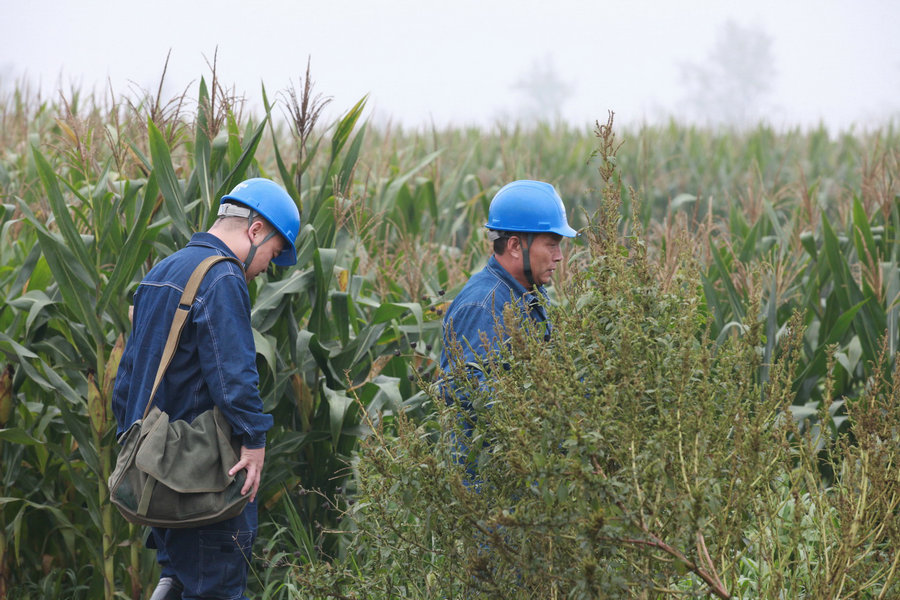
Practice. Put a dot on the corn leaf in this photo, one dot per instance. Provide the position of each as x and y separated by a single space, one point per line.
61 215
168 182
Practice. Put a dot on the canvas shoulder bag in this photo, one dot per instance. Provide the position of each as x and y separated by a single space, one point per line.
174 473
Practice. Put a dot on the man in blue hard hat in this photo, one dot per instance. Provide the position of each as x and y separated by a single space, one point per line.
526 224
214 366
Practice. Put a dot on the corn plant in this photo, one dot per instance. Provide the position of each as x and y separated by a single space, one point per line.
69 306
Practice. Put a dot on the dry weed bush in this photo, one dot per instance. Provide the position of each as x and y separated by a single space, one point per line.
631 457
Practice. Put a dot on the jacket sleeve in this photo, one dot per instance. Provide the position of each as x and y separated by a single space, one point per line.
121 389
124 386
228 360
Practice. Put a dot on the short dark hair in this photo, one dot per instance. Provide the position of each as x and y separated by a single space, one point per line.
500 242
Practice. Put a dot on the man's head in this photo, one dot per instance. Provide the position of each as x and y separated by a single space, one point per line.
527 221
259 221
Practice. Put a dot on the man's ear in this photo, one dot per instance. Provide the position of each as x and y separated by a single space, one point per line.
514 245
256 228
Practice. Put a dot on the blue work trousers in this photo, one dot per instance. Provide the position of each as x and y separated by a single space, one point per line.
211 562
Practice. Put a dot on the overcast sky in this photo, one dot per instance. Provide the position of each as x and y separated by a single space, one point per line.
427 62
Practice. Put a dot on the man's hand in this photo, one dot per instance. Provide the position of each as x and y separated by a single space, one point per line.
252 460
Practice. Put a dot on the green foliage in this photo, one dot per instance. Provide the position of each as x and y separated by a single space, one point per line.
756 243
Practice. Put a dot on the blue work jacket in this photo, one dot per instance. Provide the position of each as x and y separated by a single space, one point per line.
215 363
478 308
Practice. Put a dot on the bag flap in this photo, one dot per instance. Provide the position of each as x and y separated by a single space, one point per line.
187 457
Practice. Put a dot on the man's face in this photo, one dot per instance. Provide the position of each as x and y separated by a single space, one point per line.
544 255
264 253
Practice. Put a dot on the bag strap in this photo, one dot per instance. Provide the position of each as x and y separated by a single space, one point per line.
178 321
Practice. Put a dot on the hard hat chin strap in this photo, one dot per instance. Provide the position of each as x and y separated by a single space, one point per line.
526 261
254 247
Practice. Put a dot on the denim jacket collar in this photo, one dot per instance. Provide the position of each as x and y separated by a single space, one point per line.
528 298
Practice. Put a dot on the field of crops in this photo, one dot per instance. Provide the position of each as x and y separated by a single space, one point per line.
780 227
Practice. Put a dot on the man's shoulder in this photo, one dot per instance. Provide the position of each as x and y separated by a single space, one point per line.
483 288
480 301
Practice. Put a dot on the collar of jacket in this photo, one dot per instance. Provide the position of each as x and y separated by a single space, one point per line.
530 299
518 289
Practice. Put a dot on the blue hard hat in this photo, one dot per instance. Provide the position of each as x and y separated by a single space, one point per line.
529 206
275 205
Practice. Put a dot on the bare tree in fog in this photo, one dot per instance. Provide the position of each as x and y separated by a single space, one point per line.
730 87
543 91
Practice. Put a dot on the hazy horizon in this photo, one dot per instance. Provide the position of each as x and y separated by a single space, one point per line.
478 63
